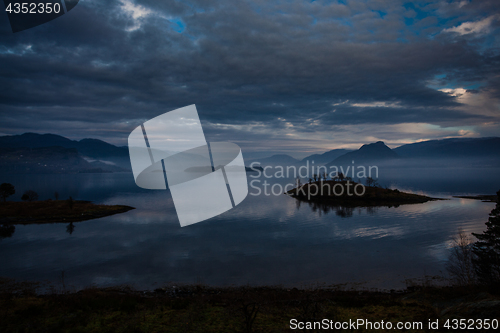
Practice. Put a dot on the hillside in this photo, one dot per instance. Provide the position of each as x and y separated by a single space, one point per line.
377 151
50 153
89 147
326 157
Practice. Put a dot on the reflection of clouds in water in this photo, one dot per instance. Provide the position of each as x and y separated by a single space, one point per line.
264 240
440 251
373 232
256 209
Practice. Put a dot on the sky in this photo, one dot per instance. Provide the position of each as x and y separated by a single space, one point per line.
273 76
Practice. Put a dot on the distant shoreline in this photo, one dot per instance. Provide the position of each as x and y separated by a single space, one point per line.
55 211
482 197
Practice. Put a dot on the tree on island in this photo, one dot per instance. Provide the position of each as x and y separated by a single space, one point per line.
30 195
371 182
6 190
487 249
56 195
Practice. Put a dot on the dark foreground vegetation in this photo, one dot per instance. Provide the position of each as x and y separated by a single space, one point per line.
353 194
242 309
53 211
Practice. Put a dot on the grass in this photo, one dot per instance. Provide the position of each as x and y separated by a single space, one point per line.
52 211
230 309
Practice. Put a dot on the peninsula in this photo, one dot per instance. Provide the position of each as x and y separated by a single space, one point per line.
55 211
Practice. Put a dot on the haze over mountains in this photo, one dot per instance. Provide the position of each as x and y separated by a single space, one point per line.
452 148
278 159
50 153
326 157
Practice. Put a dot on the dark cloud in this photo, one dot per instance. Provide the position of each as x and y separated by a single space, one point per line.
280 64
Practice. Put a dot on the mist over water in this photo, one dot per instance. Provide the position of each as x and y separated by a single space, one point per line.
266 240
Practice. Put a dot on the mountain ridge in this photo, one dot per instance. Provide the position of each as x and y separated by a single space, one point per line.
108 157
94 149
377 151
453 147
326 157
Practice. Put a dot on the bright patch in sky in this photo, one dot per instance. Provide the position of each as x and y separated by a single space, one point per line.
377 105
137 12
478 27
370 104
454 92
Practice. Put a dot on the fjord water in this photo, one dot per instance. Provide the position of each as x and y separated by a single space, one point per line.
266 240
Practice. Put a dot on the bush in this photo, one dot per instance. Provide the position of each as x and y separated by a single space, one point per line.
460 265
6 190
30 196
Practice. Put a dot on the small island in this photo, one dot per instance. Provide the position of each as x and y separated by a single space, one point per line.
352 194
55 211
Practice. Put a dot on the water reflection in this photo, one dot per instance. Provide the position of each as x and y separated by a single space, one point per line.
70 228
264 240
322 208
6 230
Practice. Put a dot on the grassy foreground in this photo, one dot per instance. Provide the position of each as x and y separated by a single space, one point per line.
52 211
242 309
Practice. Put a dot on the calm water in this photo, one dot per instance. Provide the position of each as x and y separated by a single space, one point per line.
265 240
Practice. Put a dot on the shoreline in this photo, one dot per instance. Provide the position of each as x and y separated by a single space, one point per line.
482 197
55 211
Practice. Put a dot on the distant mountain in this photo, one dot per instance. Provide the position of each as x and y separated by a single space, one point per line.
377 151
279 159
452 148
92 149
326 157
100 149
34 140
89 147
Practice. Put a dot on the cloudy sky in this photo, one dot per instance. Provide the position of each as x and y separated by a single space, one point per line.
270 75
